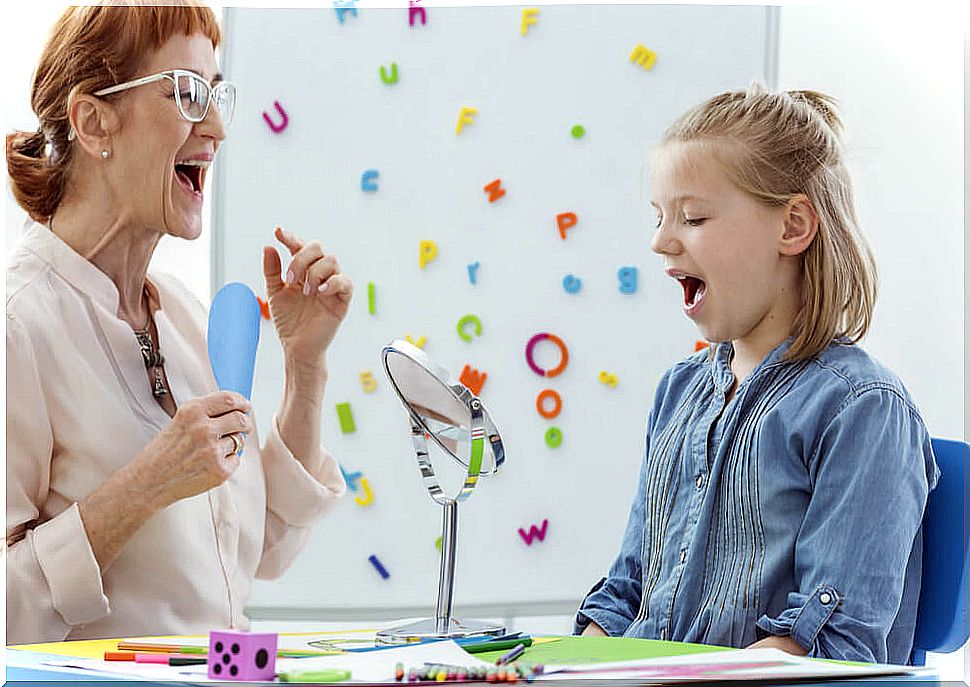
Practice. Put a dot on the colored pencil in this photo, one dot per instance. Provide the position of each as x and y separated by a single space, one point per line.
503 645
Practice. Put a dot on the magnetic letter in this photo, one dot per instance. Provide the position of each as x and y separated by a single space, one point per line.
572 284
365 180
419 343
472 271
608 378
377 566
415 10
534 533
368 494
473 379
566 220
427 252
342 6
556 404
350 478
465 116
469 319
528 17
346 418
643 56
553 437
284 118
392 79
367 381
494 190
562 349
628 279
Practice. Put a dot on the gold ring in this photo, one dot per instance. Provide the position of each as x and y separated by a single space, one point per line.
236 444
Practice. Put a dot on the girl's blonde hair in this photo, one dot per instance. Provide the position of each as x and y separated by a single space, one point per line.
775 146
89 48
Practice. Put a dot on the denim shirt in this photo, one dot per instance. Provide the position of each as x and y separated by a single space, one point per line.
795 509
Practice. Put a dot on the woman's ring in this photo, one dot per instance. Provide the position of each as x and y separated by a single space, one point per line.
237 444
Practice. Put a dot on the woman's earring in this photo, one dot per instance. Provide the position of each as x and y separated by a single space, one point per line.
104 154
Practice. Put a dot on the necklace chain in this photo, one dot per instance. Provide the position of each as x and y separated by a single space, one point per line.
150 354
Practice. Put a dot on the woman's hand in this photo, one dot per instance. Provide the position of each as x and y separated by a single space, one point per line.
308 307
195 452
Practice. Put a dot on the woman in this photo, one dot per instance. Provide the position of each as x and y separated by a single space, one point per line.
139 499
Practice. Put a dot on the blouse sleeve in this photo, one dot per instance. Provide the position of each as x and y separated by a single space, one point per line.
53 578
296 497
859 544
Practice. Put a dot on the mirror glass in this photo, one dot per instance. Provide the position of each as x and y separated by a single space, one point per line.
436 405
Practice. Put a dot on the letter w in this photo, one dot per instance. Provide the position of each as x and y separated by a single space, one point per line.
534 532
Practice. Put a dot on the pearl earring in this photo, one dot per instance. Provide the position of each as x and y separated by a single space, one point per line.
104 154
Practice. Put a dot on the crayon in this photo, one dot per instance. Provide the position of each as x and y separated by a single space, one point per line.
119 655
187 661
516 651
496 646
317 676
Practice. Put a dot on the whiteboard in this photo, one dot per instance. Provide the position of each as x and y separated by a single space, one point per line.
572 67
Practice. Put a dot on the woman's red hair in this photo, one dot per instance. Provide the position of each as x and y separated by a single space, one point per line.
89 48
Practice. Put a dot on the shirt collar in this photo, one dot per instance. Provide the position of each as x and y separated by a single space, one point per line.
80 272
721 368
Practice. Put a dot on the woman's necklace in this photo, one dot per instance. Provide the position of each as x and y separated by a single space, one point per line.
150 354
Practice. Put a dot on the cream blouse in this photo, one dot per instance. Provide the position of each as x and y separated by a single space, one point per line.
79 407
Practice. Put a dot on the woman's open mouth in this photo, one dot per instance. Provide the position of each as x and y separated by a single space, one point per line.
191 175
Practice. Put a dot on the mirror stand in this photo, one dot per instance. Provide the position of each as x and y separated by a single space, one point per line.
443 625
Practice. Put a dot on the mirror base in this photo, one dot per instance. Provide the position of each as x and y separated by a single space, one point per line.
427 629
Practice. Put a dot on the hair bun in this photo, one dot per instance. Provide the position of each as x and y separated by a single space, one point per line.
825 105
28 144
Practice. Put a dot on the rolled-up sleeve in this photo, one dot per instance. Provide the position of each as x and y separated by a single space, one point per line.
53 578
859 545
296 497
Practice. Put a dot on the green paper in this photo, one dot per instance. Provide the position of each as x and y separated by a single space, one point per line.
579 650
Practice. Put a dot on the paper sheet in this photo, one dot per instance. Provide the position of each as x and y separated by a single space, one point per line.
378 666
750 664
370 666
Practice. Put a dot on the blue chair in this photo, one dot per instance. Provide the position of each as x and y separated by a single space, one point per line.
942 624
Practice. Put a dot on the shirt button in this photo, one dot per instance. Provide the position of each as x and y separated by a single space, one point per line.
699 481
825 598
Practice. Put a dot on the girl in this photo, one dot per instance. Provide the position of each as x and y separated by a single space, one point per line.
786 471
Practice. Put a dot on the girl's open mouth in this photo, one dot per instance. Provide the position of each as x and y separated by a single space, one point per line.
694 291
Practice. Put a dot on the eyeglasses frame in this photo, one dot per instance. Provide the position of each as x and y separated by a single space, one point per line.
173 75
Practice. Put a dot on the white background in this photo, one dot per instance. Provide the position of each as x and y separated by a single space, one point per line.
529 91
899 77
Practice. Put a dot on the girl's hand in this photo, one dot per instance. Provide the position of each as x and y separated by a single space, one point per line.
310 303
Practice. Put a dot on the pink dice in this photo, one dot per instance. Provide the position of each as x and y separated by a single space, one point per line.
235 655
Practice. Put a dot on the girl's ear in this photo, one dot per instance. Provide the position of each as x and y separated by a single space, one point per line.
800 224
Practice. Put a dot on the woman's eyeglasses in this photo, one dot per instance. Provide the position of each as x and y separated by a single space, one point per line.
192 93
